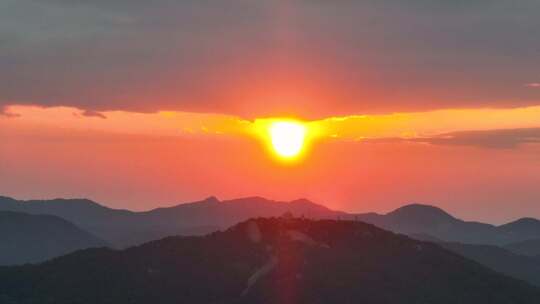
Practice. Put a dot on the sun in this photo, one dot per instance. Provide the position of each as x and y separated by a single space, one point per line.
287 138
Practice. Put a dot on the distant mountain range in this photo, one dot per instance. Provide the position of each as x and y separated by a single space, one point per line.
512 248
124 228
522 267
280 260
529 247
28 238
431 221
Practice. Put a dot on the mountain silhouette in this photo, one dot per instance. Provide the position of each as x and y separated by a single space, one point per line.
416 219
28 238
529 247
522 267
500 248
523 229
276 260
123 228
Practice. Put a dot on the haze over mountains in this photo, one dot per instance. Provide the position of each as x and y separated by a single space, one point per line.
522 267
529 247
26 238
418 219
267 261
124 228
510 249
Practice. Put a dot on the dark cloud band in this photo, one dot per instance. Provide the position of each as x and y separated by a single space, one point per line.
313 58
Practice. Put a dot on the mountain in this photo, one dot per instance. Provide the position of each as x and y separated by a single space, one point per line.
431 221
517 260
123 228
470 239
528 247
425 237
108 224
522 229
501 260
410 219
35 238
267 261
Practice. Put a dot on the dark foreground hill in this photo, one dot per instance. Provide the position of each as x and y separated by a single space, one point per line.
28 238
267 261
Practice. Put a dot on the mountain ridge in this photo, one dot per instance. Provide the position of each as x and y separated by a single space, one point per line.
122 227
267 260
30 238
423 222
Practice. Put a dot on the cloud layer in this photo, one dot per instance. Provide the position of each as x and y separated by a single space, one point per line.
496 139
492 139
309 58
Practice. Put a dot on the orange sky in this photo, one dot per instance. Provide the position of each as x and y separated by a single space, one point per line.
139 104
356 163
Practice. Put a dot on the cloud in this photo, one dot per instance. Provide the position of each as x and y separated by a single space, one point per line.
90 113
492 139
268 58
534 85
4 112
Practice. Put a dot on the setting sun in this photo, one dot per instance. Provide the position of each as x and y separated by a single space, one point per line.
287 138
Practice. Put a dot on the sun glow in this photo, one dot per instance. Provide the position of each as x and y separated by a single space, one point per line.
287 138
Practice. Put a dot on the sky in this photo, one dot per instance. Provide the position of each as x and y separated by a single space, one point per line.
139 104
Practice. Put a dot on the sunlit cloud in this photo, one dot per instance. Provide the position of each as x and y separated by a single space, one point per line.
435 127
491 139
5 112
